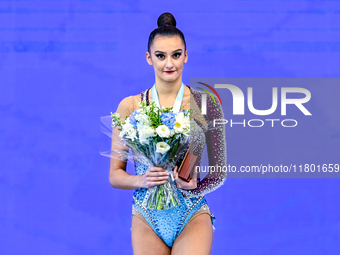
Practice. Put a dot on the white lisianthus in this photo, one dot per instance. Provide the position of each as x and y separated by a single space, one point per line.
145 133
162 147
128 131
163 131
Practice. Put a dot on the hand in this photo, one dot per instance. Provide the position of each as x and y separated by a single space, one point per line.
192 184
153 176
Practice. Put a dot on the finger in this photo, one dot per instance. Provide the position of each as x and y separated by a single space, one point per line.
151 184
151 174
158 178
175 172
158 182
156 169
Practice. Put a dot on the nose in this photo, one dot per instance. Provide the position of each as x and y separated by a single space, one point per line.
169 64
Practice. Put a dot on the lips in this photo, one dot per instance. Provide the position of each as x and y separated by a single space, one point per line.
169 71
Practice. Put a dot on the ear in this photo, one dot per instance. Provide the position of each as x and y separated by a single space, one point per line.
186 56
148 58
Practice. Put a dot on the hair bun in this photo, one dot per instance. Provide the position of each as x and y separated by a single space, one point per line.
166 19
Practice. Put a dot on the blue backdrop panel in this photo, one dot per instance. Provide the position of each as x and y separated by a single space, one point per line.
63 64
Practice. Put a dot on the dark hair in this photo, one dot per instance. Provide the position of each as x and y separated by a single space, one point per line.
166 27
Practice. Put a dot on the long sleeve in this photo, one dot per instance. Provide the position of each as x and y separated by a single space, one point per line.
216 145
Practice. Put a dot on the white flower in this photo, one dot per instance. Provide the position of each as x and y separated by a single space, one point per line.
145 133
180 115
163 131
162 147
116 115
128 131
143 119
114 123
182 123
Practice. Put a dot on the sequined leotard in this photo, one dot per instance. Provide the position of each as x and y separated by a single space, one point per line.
169 223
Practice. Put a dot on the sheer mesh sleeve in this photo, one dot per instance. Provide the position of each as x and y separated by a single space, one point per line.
216 144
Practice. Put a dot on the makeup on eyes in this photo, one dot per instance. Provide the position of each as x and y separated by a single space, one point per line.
158 55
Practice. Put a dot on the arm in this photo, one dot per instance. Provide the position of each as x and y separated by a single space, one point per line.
119 178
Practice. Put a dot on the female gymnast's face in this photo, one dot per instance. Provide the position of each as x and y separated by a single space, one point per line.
167 56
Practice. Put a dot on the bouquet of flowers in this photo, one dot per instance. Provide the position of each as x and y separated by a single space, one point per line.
154 137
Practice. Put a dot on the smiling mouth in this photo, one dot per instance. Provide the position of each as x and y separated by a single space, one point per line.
169 71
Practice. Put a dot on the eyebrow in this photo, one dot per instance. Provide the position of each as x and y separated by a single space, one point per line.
158 51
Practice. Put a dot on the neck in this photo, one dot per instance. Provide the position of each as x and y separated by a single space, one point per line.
168 88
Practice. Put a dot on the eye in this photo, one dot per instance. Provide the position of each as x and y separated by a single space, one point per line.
177 55
160 56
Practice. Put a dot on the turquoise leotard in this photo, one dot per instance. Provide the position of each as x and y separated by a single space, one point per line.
169 223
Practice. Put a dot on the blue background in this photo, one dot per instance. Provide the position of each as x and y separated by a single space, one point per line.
63 64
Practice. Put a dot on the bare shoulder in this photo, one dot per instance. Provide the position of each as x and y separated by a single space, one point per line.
136 99
126 106
126 100
132 99
125 103
129 104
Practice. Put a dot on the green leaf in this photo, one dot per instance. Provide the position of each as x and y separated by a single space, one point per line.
174 150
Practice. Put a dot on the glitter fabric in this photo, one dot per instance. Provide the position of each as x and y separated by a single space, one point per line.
169 223
203 131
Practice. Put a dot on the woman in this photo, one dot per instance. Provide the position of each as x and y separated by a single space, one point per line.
186 229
